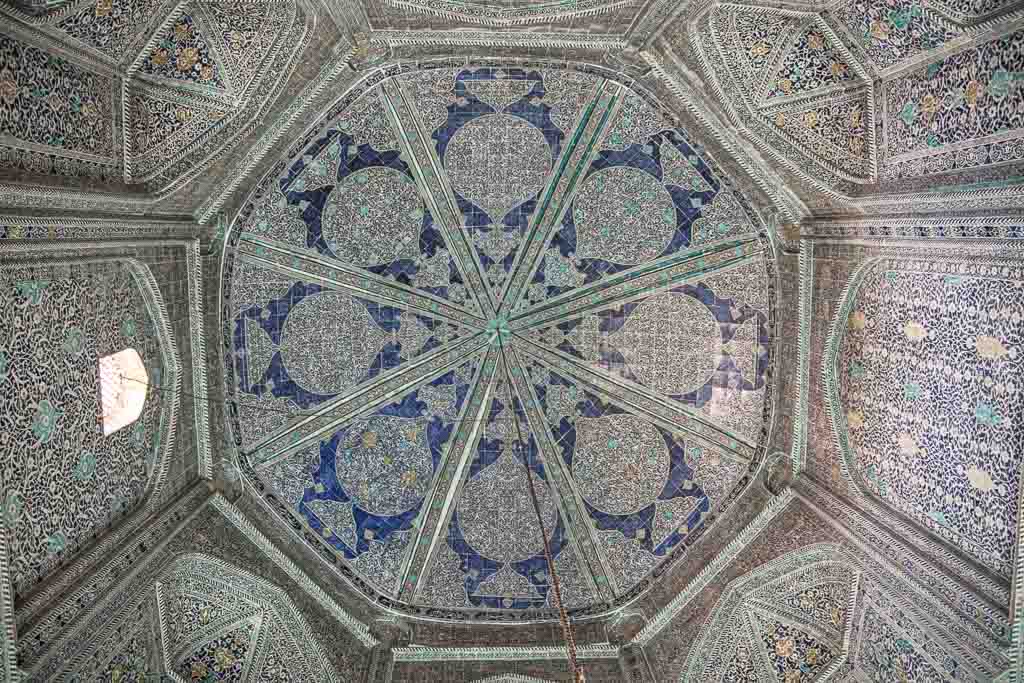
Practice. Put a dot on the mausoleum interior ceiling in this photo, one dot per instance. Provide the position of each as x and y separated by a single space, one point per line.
734 287
468 270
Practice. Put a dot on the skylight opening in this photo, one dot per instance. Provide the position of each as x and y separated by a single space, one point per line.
123 385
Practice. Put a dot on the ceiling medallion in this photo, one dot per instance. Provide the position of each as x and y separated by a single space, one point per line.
483 301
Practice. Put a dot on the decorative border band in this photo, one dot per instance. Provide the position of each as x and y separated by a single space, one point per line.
416 653
197 338
798 449
8 658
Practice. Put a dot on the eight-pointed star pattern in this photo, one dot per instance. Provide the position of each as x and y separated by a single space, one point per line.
465 277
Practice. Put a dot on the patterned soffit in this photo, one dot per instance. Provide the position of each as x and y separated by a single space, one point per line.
601 15
462 270
148 92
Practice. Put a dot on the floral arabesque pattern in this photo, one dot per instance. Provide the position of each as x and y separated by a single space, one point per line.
928 374
410 475
782 622
968 96
65 480
47 100
184 54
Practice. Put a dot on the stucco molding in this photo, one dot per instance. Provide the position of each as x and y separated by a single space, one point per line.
197 338
8 659
561 40
500 18
994 227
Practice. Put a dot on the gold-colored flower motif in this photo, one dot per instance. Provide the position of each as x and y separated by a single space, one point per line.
325 531
117 674
760 49
8 87
204 615
224 659
915 331
990 348
369 439
237 40
837 616
90 111
980 479
816 41
199 670
854 419
879 29
792 676
187 58
812 656
858 321
972 92
206 72
856 145
786 85
929 104
104 7
838 69
183 115
216 115
409 478
785 647
182 31
161 57
780 120
811 119
856 116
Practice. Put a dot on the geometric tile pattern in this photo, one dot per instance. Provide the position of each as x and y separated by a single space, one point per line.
787 621
928 365
194 78
405 307
803 96
219 623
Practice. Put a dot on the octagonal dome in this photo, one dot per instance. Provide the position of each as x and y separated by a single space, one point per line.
462 273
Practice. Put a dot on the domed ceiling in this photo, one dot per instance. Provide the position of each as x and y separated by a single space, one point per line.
461 273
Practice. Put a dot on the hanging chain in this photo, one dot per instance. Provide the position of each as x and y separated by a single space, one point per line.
567 630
